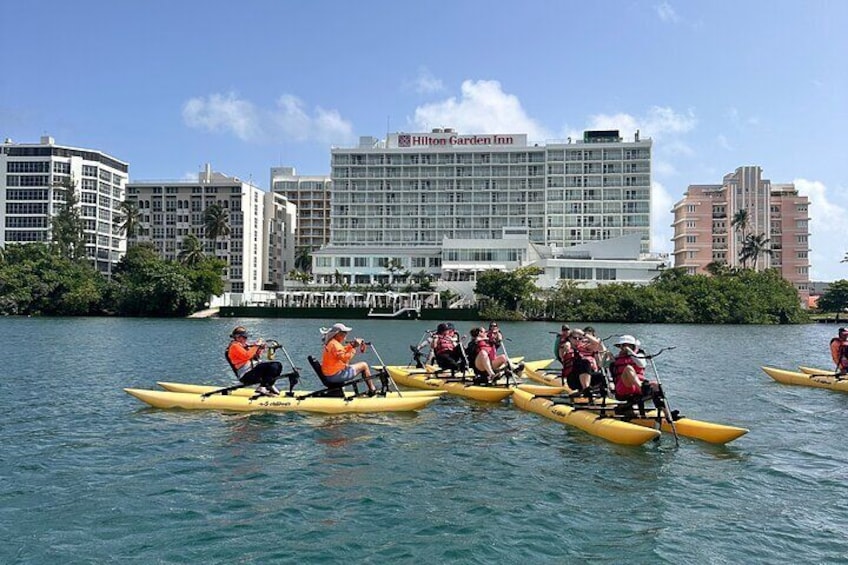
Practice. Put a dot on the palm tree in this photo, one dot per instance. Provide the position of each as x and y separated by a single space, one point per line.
753 247
130 219
741 221
191 253
216 220
719 268
395 267
303 261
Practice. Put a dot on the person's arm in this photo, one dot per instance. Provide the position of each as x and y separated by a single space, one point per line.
593 342
638 360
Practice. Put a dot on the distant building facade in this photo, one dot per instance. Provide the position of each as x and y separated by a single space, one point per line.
400 198
260 247
31 177
704 230
311 195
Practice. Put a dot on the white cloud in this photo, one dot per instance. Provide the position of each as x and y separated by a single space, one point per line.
426 83
659 122
289 121
723 142
222 113
827 232
482 108
666 13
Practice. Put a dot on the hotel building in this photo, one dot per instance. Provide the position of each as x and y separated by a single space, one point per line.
401 198
259 249
31 179
704 230
311 195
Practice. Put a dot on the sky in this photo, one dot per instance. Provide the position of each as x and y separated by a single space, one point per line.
168 86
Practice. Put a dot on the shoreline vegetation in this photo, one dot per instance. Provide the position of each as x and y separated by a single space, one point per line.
37 279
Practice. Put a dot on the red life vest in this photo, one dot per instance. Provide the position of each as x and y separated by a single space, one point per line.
586 353
444 343
568 359
621 362
485 347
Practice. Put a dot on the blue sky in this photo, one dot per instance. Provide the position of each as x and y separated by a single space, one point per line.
171 85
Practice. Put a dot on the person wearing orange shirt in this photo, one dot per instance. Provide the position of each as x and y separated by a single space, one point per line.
244 360
335 360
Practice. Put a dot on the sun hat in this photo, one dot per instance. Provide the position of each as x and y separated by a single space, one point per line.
626 339
329 333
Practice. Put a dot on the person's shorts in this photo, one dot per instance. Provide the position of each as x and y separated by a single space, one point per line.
345 374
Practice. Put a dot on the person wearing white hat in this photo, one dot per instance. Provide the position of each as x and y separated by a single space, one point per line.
628 369
335 360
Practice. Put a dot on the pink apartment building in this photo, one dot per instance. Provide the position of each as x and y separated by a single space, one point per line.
703 230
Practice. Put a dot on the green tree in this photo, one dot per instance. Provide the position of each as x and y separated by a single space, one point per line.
508 289
66 226
36 280
303 260
300 276
216 221
396 269
147 285
753 248
741 221
835 298
191 253
130 218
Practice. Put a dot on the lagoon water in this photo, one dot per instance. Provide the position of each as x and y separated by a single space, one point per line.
91 476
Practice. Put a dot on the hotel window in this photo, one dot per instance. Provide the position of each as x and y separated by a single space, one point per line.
691 239
576 273
605 274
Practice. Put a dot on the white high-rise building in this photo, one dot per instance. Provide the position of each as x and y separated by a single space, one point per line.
397 200
259 249
32 177
415 189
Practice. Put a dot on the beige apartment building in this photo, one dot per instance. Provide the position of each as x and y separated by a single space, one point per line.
311 195
259 250
704 230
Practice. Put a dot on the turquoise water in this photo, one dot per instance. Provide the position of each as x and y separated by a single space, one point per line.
91 476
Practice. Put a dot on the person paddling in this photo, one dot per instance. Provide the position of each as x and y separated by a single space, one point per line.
496 338
447 349
243 359
579 366
628 374
335 360
485 361
839 351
